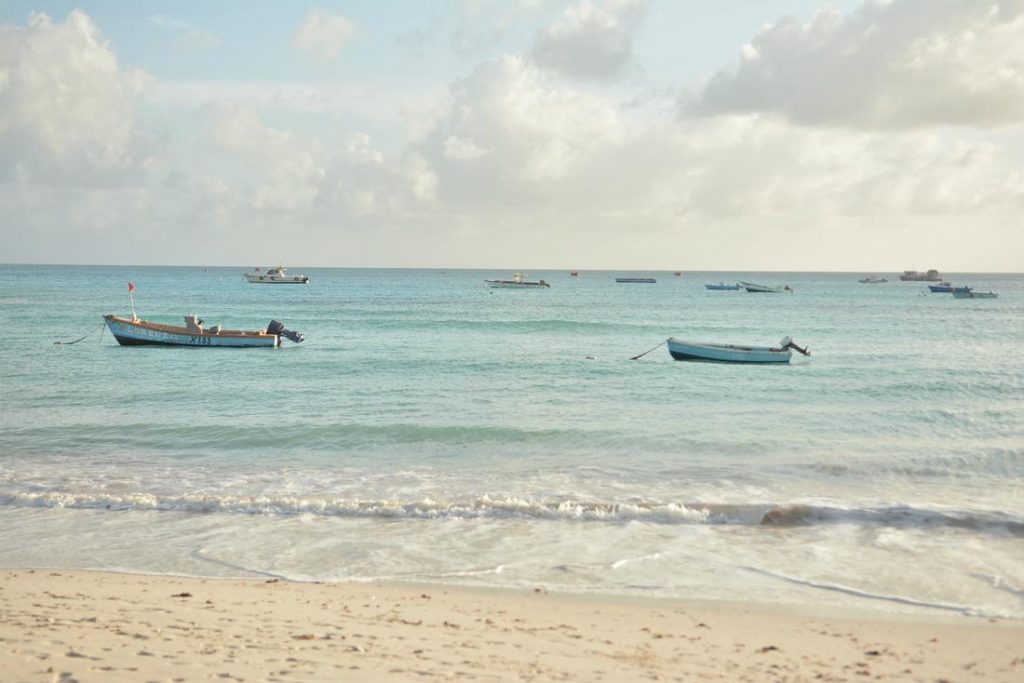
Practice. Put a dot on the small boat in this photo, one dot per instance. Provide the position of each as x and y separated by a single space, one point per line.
136 332
636 280
968 293
765 289
941 288
731 353
518 281
678 273
574 273
915 276
721 286
872 280
276 276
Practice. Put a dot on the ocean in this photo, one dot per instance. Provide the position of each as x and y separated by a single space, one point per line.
431 429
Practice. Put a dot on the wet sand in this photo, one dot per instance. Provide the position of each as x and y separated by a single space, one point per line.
93 626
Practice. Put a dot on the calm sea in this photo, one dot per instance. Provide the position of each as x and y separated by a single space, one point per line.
433 429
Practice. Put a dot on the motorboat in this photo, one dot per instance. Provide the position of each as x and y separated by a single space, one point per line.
636 280
733 353
941 288
872 280
968 293
721 286
276 276
518 281
134 331
764 289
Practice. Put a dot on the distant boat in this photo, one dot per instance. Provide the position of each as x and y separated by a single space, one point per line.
765 289
136 332
872 280
276 276
637 280
721 286
574 273
731 353
679 273
941 288
518 281
915 276
968 293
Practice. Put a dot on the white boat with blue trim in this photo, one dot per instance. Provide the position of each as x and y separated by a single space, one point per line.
969 293
733 353
137 332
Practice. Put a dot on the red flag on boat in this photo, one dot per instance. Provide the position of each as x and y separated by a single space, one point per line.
131 287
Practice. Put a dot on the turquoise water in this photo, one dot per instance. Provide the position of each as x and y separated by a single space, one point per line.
433 429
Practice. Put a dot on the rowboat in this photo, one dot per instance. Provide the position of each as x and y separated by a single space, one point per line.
968 293
732 353
518 281
636 280
276 276
721 286
872 280
765 289
137 332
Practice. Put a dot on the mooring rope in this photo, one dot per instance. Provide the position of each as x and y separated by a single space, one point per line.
647 352
86 336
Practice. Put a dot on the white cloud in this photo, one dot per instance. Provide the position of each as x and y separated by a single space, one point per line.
67 108
592 41
188 36
893 64
322 35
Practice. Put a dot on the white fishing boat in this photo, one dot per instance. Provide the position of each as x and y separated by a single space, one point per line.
276 276
765 289
137 332
518 281
733 353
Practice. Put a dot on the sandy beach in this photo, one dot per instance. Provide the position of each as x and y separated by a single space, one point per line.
89 626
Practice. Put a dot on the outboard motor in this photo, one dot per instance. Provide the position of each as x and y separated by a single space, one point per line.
278 328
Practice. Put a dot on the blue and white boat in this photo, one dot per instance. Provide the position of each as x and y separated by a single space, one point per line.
137 332
941 288
733 353
276 276
721 286
968 293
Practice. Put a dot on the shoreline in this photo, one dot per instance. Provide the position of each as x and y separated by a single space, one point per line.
60 625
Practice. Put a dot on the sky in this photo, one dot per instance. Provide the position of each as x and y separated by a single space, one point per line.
849 135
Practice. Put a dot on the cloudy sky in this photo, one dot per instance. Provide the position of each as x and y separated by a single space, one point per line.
867 135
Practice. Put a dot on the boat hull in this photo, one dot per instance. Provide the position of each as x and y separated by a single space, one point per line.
764 289
277 279
143 333
726 353
970 294
721 287
637 280
944 288
512 284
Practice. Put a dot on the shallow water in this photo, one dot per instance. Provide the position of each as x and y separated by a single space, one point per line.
434 429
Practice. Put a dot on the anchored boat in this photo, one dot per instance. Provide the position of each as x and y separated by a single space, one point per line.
968 293
765 289
721 286
518 281
276 276
732 353
137 332
637 280
874 280
915 276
